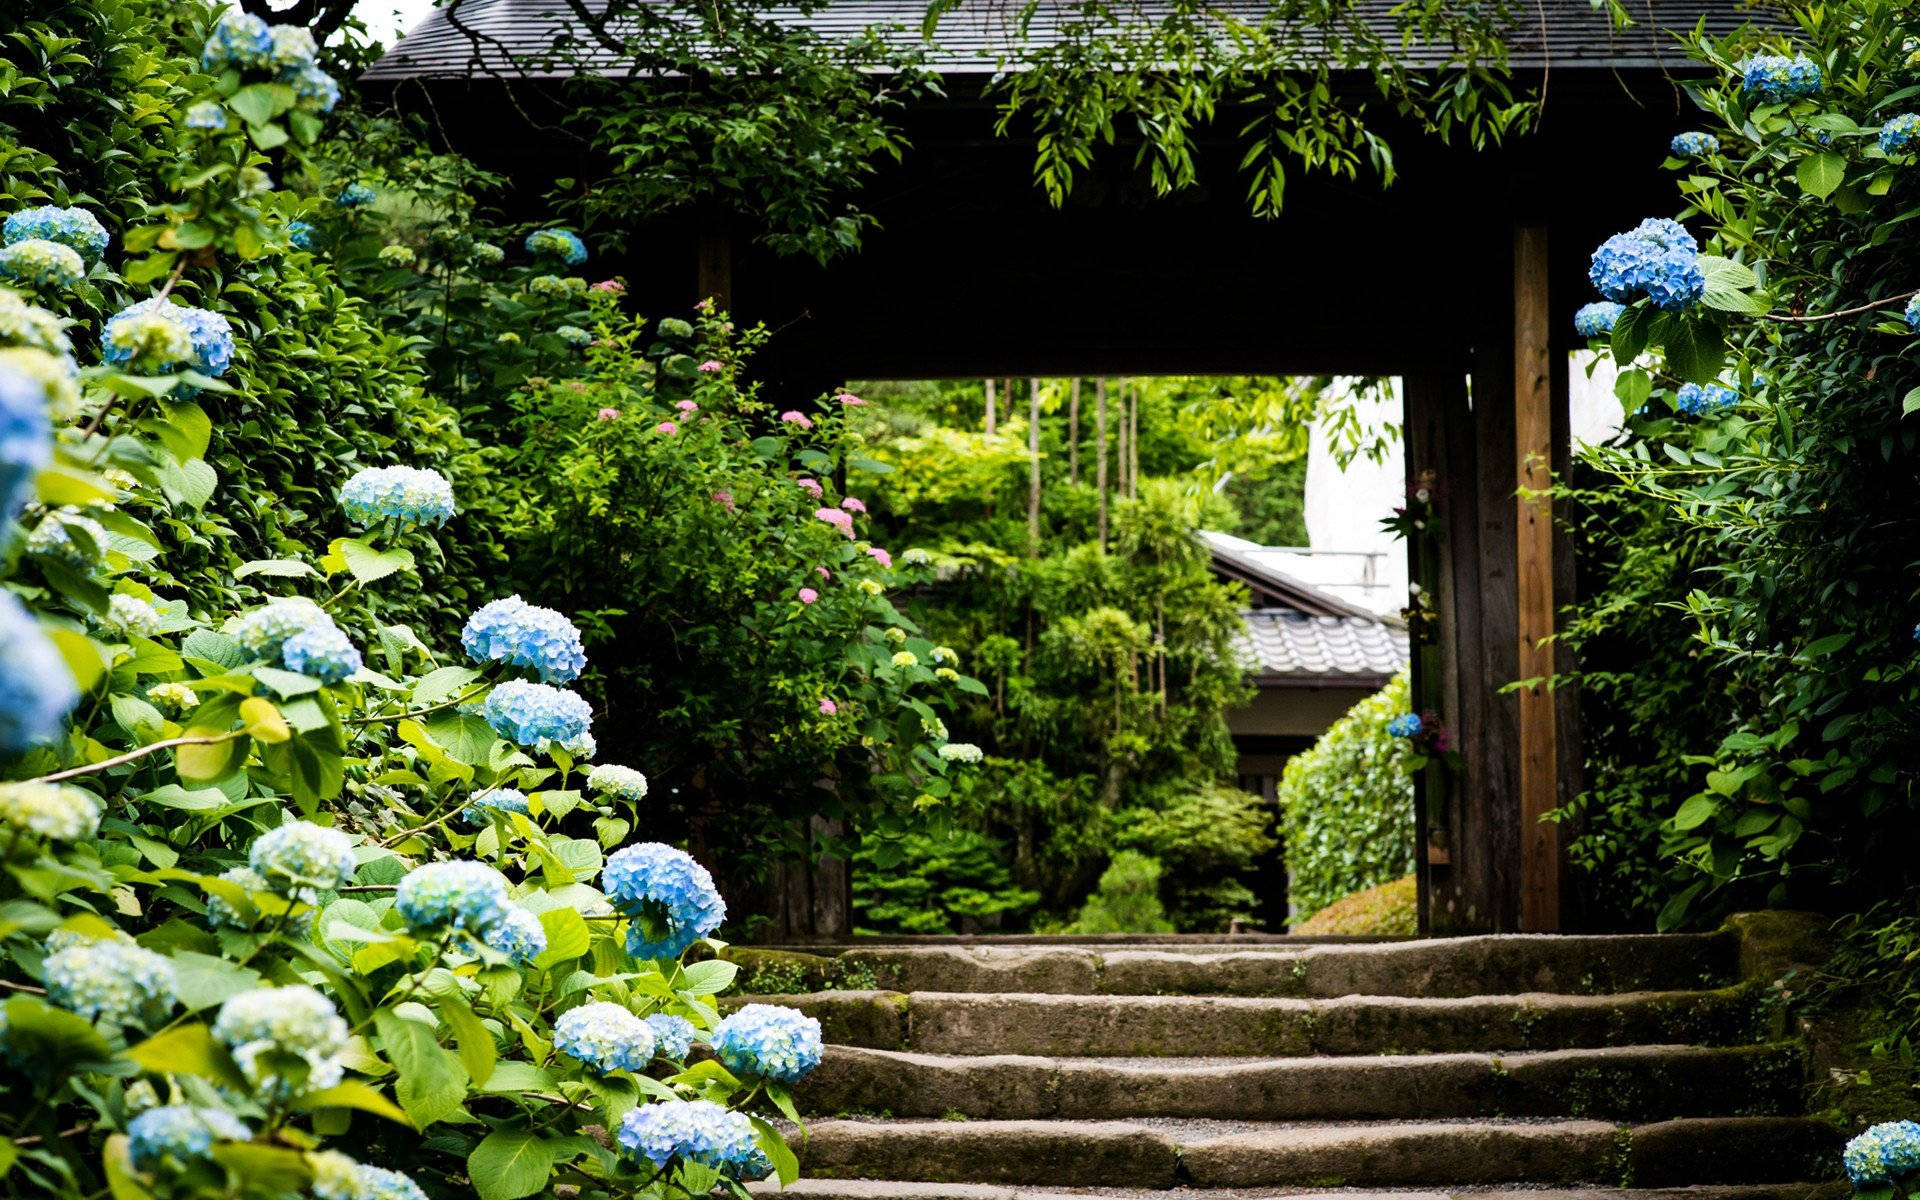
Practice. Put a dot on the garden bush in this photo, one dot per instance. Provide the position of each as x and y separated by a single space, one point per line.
306 867
1346 805
1127 900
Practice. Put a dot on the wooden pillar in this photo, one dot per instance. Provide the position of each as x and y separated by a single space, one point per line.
715 266
1533 426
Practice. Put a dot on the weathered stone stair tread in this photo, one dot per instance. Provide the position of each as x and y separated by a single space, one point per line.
887 1189
1469 966
1174 1026
1631 1082
1156 1156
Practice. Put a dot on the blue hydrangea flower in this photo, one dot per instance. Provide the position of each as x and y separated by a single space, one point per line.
294 1021
1777 78
355 195
321 651
1884 1153
300 235
756 1167
110 980
264 630
698 1131
611 779
573 335
670 898
39 263
300 858
224 915
532 714
1913 311
525 635
518 934
1658 259
563 245
672 1036
207 114
460 895
178 1134
314 90
58 812
57 375
380 1183
135 338
605 1037
69 537
503 799
337 1177
36 688
292 47
414 495
75 228
1694 144
766 1041
26 439
1597 319
29 325
1405 725
240 42
1704 399
1898 135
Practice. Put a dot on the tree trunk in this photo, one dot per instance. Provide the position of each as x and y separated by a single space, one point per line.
1073 434
1100 452
1133 441
1120 435
1033 471
991 416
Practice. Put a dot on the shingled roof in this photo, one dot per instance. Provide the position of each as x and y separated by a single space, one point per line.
515 38
1285 648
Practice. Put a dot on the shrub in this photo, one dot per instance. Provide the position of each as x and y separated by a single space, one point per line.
1387 908
1127 900
1208 838
1346 805
957 882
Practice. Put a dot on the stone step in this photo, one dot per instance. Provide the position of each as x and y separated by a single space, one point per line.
888 1189
1158 1155
1174 1026
1624 1083
1467 966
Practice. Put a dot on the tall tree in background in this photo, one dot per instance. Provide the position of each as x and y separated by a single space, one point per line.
1073 434
1100 449
991 421
1033 470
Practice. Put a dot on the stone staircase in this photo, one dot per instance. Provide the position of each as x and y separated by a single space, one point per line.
1564 1067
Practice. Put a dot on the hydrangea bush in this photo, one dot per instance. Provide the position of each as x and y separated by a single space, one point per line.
1760 492
289 891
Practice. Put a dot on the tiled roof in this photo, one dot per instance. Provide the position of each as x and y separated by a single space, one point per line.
510 37
1284 646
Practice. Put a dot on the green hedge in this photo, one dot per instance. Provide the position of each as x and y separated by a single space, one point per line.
1346 806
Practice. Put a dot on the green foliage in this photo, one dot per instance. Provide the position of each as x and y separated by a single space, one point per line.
1795 564
1209 837
1385 910
1127 900
958 882
1346 805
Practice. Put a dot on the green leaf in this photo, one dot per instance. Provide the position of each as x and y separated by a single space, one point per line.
189 1050
1819 174
567 937
138 717
354 1094
268 1170
116 1161
509 1164
368 564
710 978
258 103
263 721
1697 811
48 1043
512 1076
1911 404
1630 332
209 762
1696 351
442 683
465 737
190 483
776 1149
432 1082
215 648
476 1046
204 980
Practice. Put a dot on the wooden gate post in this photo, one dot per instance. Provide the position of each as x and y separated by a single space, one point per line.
1533 438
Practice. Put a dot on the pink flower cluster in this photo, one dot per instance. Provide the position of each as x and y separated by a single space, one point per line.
609 414
851 400
712 366
610 285
853 504
797 418
880 556
686 406
836 518
808 595
811 487
666 427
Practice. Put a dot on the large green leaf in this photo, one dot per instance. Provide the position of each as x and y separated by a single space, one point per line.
1819 174
432 1082
509 1164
